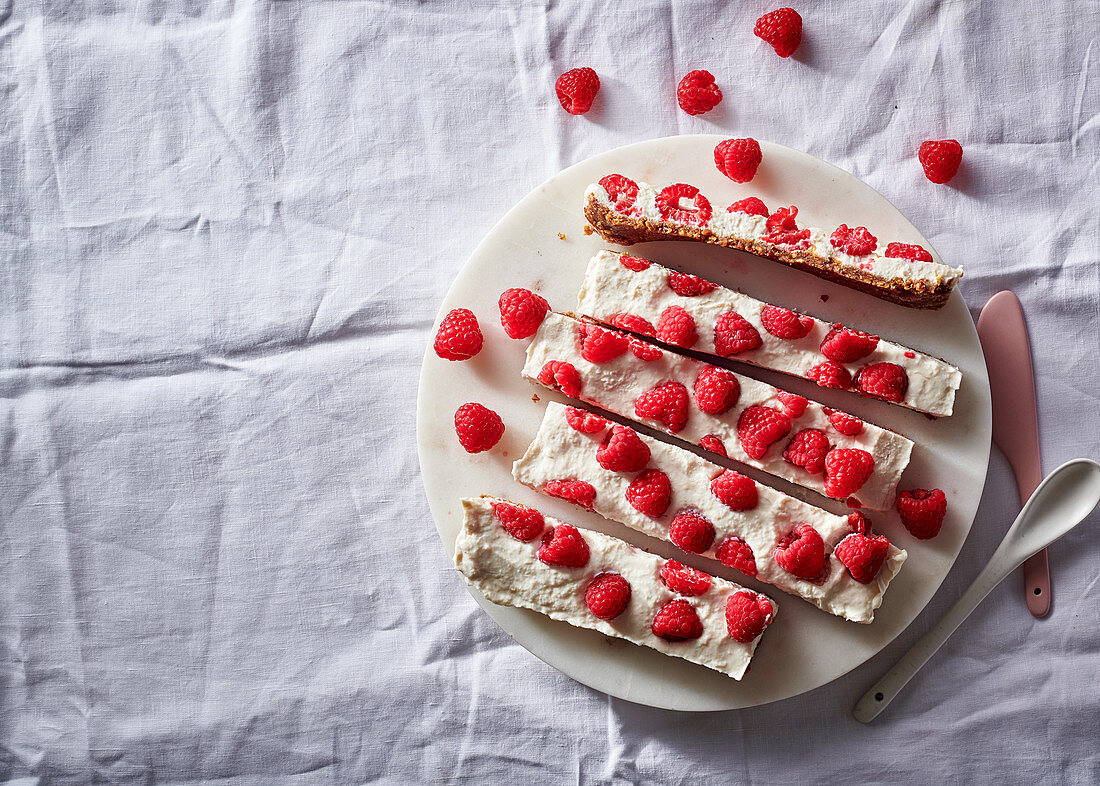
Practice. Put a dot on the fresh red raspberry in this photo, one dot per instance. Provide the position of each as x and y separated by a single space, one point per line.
807 450
734 552
686 580
846 470
747 615
599 345
830 374
563 547
637 264
738 159
697 93
844 423
633 323
478 427
576 89
940 159
459 336
576 491
783 231
622 450
644 350
908 251
623 193
793 404
687 285
677 327
671 207
666 403
887 381
521 312
733 334
759 427
584 422
858 523
519 522
650 493
677 621
734 490
863 555
784 323
845 345
922 511
751 206
713 443
782 29
801 552
856 241
559 375
716 390
607 595
691 531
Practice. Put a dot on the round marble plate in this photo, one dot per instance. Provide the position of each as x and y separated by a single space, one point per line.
541 245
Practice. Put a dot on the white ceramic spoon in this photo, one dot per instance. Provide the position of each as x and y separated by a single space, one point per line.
1059 504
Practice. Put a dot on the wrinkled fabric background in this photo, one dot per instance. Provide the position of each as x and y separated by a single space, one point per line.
225 230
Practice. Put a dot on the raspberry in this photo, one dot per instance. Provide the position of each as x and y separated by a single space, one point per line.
688 285
576 491
751 206
801 553
922 511
519 522
645 351
576 89
622 191
857 241
714 444
521 312
716 390
784 323
671 209
686 580
738 159
584 422
908 251
783 231
733 335
622 450
677 327
734 490
599 345
649 493
691 531
563 547
634 324
846 470
559 375
844 423
807 450
478 427
887 381
677 621
666 403
862 555
734 552
830 375
637 264
607 595
747 614
697 93
845 345
940 159
459 336
782 29
793 405
858 523
758 427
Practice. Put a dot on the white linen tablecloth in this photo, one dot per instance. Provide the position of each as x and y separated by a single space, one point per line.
226 227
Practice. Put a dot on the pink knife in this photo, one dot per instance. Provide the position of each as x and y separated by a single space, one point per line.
1003 334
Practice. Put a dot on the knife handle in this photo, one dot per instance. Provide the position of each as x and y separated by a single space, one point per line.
1037 584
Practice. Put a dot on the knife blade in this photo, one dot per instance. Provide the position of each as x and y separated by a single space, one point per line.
1003 334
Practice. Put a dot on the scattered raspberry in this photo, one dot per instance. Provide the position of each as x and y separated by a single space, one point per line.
714 444
634 324
686 580
751 206
801 552
697 93
576 89
747 614
677 621
677 327
908 251
584 422
845 345
671 209
622 450
478 427
576 491
738 159
910 354
519 522
622 191
559 375
459 336
637 264
862 555
846 470
783 231
784 323
716 390
758 427
644 350
807 450
649 493
858 523
793 405
667 403
691 531
733 335
599 345
844 423
922 511
782 29
887 381
940 159
734 552
564 547
734 490
830 374
607 595
521 312
856 241
687 285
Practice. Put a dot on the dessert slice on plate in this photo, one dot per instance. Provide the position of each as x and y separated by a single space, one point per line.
517 557
639 295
